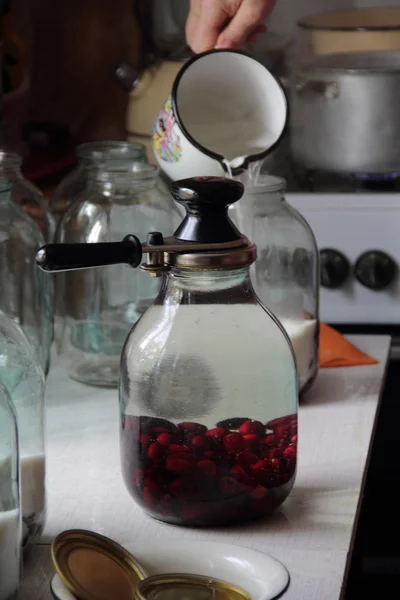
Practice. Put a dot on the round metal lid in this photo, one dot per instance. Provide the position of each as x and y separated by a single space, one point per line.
94 567
176 586
357 62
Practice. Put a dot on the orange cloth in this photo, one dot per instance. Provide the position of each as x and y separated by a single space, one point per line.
336 351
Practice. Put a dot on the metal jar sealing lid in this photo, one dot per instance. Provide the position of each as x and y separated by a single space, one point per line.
176 586
93 567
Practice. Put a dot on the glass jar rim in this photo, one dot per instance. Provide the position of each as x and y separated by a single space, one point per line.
10 158
138 170
266 184
110 151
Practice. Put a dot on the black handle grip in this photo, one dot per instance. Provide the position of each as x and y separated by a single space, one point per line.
69 257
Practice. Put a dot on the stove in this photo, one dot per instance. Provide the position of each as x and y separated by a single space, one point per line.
358 238
356 224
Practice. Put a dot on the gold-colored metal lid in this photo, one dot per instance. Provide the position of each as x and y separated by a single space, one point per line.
93 567
224 259
177 586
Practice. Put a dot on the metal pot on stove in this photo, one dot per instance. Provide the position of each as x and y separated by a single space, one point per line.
345 114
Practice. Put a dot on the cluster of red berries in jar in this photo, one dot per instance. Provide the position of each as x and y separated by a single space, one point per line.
184 473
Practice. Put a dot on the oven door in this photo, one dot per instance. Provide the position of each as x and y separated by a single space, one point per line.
375 565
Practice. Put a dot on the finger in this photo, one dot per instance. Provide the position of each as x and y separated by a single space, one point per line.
207 25
191 21
250 14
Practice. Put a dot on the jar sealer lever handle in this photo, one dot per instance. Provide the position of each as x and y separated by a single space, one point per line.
67 257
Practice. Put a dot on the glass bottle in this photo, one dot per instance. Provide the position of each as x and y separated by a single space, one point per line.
25 294
99 307
26 195
23 377
106 155
286 273
208 384
10 517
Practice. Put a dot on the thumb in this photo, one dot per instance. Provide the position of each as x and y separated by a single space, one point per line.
250 15
205 21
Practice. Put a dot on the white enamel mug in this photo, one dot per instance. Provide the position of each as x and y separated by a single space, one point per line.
225 111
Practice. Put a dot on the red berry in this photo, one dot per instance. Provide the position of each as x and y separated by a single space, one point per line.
275 463
246 458
175 449
158 430
165 439
281 421
242 476
177 464
259 493
217 432
270 440
275 453
252 427
210 454
290 452
152 486
252 440
208 467
234 442
199 442
149 499
261 465
192 428
294 439
229 486
155 451
177 488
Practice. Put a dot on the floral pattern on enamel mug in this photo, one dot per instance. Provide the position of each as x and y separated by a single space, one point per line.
166 140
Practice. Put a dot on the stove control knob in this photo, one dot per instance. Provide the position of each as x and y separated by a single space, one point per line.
375 269
335 268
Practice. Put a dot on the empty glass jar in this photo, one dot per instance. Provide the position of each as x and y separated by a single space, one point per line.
10 518
25 293
23 377
26 195
286 273
109 154
99 306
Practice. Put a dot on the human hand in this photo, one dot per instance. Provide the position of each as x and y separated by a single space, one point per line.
225 23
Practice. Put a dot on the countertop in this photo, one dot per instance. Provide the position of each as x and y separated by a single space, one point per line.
312 533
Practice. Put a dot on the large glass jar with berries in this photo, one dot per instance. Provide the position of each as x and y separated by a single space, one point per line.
286 273
208 384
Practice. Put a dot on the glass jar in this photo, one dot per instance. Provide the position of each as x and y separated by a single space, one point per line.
26 195
25 293
23 377
109 155
208 403
99 306
208 384
286 273
10 518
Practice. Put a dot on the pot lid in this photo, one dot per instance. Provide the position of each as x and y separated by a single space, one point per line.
357 62
361 19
